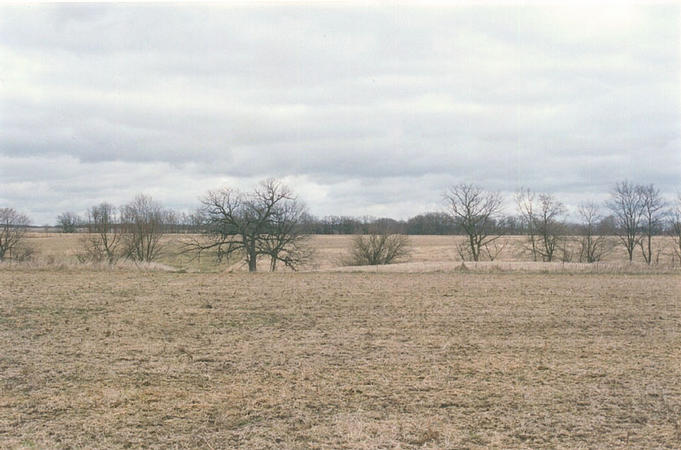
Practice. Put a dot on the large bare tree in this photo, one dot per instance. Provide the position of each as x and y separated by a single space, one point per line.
262 223
13 226
475 211
626 204
652 218
144 222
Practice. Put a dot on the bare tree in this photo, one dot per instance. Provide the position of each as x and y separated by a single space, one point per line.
550 226
144 222
68 222
495 248
675 219
13 226
626 204
593 243
652 218
286 241
104 238
475 211
525 202
377 248
262 223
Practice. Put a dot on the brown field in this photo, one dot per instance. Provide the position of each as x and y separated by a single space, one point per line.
500 355
429 253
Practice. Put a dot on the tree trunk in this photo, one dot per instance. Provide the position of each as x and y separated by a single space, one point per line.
650 248
473 249
252 255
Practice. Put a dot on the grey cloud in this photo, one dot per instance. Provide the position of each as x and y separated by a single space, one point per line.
355 103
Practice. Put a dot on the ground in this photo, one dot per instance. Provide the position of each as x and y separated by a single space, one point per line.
457 359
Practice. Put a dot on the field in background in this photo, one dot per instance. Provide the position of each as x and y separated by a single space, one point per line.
429 253
289 360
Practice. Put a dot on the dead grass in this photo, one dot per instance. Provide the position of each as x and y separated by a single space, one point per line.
428 252
513 266
51 264
112 359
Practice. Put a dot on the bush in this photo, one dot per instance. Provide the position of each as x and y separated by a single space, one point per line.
378 248
23 253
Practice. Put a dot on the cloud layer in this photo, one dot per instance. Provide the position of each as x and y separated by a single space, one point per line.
362 109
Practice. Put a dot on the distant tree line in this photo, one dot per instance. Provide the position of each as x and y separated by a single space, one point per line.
429 223
440 223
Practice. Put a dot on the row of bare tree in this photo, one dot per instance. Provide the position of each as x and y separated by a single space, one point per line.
133 231
270 223
264 223
638 212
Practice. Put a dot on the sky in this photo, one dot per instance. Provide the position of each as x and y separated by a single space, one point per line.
361 108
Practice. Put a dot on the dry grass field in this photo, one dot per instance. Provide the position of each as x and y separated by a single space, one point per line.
326 359
428 253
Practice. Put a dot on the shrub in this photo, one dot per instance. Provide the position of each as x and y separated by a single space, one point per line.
378 248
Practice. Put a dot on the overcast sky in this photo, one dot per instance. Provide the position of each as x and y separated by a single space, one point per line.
363 110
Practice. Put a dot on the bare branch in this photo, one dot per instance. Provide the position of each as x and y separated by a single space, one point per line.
626 204
264 223
476 212
378 248
13 227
